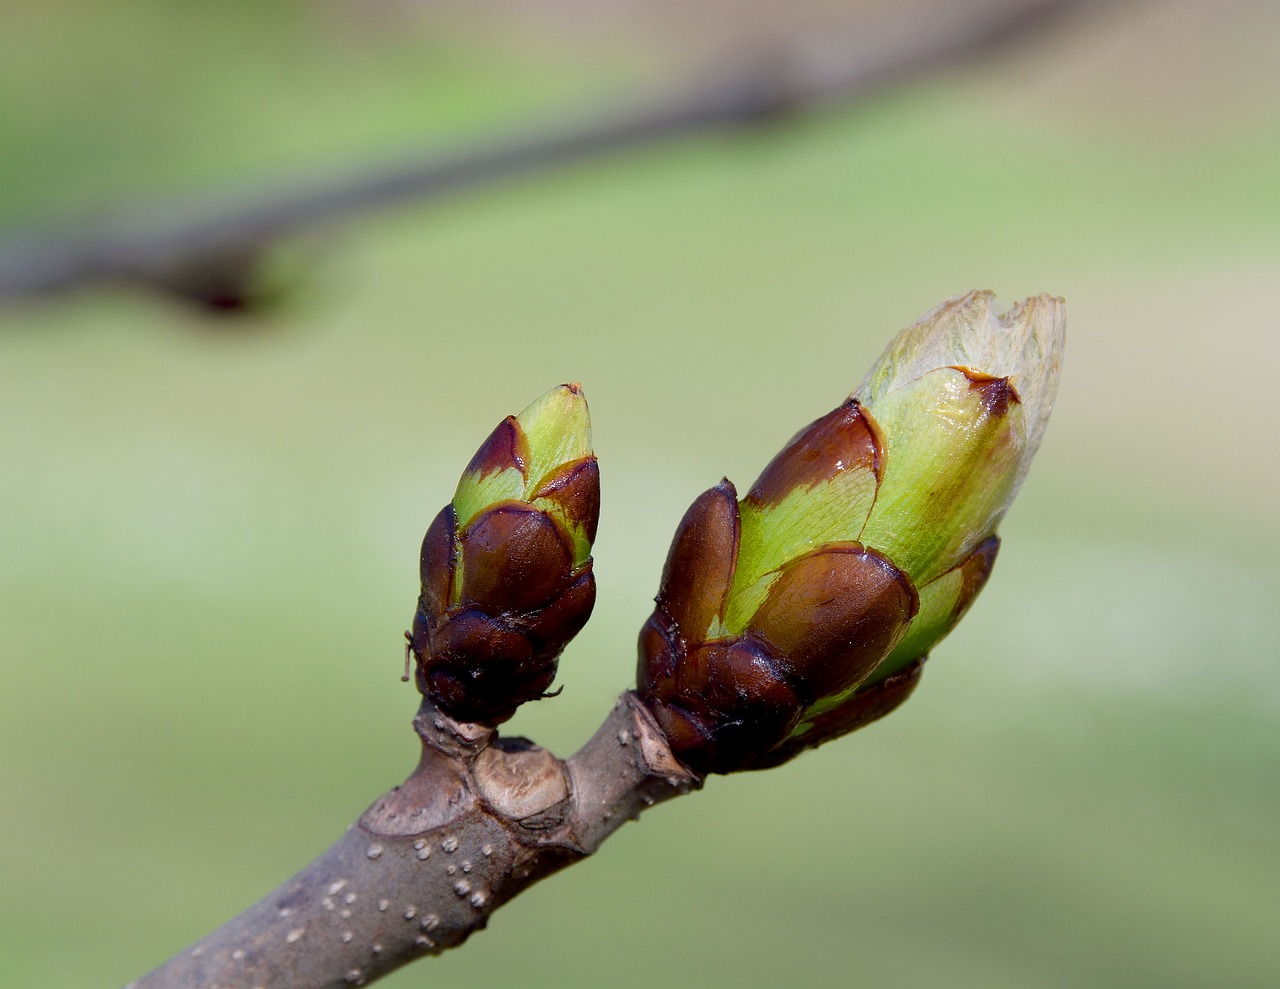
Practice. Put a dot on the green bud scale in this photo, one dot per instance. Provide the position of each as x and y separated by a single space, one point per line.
806 610
506 566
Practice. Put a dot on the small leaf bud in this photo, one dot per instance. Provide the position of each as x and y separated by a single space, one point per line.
506 566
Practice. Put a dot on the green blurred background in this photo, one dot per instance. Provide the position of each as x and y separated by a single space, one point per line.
209 529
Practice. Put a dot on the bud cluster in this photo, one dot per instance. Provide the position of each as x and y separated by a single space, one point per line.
506 566
805 610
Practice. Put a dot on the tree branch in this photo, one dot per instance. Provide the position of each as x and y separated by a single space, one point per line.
836 640
480 819
209 252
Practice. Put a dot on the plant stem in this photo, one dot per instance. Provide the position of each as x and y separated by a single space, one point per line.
479 820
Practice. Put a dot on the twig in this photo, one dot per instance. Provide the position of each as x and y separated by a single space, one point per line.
481 819
209 251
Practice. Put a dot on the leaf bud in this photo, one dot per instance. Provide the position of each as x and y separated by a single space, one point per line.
506 566
806 609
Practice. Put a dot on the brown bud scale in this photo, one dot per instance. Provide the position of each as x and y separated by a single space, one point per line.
575 488
514 558
974 572
506 447
699 568
835 613
863 708
997 393
491 641
844 439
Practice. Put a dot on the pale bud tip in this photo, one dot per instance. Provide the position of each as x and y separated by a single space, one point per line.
1023 344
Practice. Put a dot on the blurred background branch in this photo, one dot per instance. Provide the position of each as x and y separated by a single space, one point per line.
209 251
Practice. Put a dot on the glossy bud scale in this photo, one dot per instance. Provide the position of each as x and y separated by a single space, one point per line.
806 610
506 566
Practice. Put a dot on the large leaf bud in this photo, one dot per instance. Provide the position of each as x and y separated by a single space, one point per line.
506 566
806 610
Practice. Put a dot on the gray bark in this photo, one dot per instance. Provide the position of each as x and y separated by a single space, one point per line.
479 820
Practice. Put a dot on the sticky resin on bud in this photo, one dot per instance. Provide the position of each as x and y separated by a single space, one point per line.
806 610
506 566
